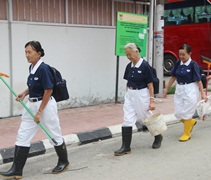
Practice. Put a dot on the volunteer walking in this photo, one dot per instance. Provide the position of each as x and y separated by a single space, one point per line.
187 74
139 97
43 105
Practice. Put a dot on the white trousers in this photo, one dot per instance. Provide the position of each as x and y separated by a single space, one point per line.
185 100
135 106
49 120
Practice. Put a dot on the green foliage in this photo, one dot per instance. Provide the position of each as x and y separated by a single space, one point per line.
171 90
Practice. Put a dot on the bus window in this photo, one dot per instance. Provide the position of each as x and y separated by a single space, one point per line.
186 22
202 14
178 16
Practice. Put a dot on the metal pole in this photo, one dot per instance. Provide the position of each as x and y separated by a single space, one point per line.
117 79
158 44
10 19
151 32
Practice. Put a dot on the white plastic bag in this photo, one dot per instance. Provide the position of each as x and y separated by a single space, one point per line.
202 107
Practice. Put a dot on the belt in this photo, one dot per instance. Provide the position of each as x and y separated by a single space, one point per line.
35 99
132 88
183 83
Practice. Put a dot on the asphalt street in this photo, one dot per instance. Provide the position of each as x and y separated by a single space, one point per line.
174 160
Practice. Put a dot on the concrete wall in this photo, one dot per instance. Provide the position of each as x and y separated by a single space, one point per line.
85 56
4 67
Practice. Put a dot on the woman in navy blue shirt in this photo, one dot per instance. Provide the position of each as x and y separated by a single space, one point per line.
139 97
43 105
187 74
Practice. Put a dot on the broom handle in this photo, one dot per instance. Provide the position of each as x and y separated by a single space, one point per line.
29 111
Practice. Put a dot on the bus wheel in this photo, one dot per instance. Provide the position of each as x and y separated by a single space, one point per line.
168 64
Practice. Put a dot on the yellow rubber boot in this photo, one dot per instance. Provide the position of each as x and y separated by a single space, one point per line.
182 120
187 129
193 123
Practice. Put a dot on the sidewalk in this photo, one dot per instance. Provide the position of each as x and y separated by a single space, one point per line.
79 126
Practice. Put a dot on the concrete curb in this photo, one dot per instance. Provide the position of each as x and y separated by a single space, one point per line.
44 146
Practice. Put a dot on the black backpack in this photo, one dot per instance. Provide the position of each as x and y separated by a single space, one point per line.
156 81
60 91
203 78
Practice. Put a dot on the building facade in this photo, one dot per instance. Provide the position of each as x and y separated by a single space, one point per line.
78 37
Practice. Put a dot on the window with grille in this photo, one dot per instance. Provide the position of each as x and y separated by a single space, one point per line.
51 11
3 12
83 12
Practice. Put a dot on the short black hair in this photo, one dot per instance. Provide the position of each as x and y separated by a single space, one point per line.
186 47
36 46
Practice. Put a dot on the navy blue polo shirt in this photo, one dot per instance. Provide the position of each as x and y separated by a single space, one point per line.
138 77
186 73
41 80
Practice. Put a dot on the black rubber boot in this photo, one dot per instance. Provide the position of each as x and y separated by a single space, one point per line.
126 141
157 142
144 128
20 157
63 160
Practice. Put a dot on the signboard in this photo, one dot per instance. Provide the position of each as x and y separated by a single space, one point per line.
131 28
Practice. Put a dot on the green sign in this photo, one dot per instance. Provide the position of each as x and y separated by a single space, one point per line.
131 28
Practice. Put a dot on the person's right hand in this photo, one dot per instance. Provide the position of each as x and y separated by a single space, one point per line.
165 93
20 97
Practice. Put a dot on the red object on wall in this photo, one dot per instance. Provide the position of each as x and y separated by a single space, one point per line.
209 1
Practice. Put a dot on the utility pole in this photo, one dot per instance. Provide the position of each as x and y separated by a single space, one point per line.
10 19
158 42
151 31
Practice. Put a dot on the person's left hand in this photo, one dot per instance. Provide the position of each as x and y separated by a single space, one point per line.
208 78
37 118
204 97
